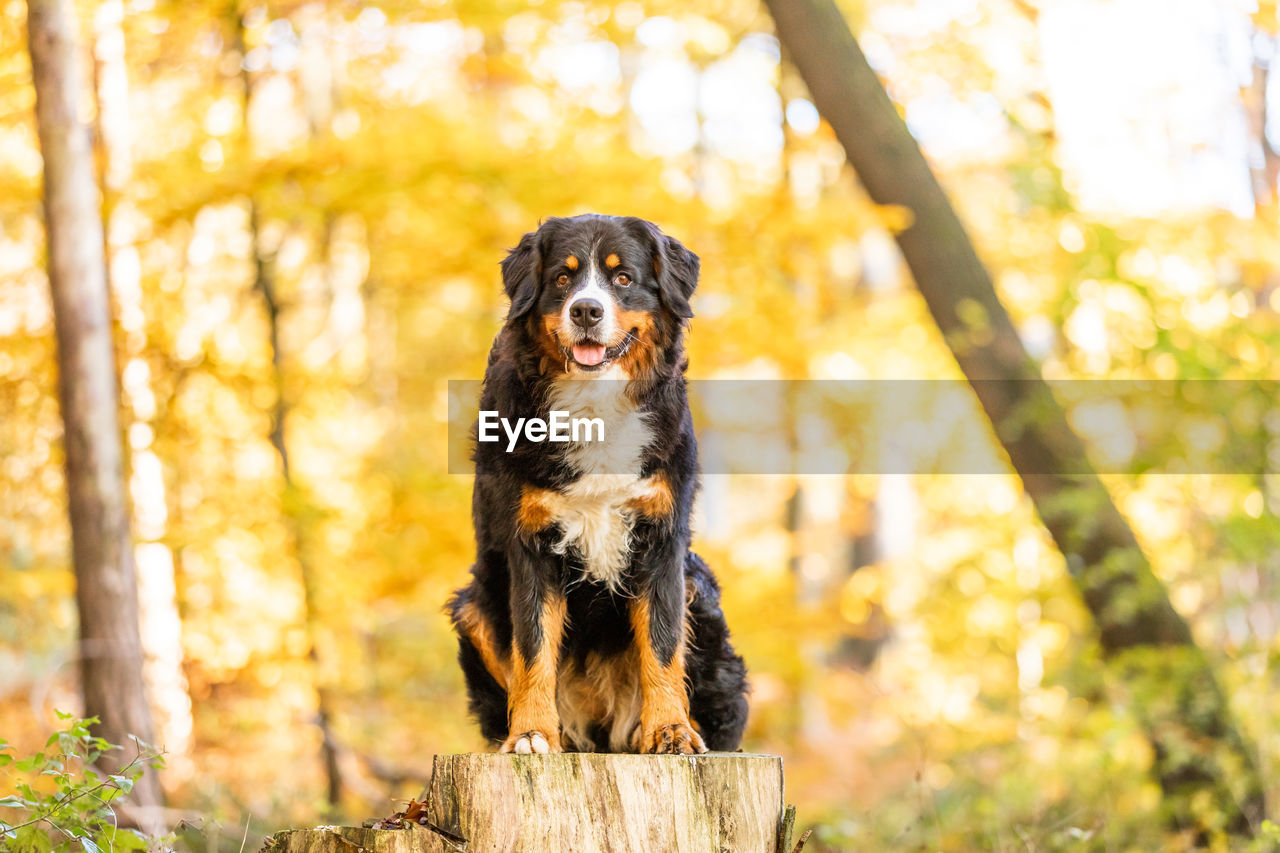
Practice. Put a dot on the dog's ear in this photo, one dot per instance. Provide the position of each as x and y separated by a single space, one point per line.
677 276
521 276
675 266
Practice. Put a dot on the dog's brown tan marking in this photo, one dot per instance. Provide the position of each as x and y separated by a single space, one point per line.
664 709
602 691
641 321
571 262
612 261
549 341
536 509
640 360
533 724
551 327
657 502
479 634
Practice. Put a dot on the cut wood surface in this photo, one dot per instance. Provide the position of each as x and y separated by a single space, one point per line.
580 802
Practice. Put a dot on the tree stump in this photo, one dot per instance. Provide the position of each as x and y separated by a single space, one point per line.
581 802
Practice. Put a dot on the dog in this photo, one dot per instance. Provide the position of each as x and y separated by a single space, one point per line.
588 624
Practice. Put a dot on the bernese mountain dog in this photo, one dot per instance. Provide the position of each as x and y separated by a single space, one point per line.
588 624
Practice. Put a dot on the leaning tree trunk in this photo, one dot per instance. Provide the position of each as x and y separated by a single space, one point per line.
579 802
1198 750
106 592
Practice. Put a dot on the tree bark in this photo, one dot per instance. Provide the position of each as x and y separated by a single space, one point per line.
581 802
1265 173
1198 749
106 588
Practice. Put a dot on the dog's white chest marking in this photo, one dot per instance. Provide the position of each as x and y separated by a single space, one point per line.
593 513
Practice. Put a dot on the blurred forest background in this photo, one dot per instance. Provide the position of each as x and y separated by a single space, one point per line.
305 207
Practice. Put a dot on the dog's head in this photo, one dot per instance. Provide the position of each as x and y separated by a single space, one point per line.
597 291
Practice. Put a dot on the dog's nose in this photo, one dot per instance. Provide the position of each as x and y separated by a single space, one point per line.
586 312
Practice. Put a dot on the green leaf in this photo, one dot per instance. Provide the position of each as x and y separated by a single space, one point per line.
88 844
12 802
123 839
32 839
62 715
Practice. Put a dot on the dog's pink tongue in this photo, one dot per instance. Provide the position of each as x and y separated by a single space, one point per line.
588 354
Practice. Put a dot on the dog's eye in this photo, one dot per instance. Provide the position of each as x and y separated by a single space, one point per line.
622 279
562 279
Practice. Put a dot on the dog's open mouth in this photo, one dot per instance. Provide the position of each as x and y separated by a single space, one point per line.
593 356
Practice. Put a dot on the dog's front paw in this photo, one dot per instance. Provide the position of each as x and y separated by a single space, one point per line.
530 742
672 739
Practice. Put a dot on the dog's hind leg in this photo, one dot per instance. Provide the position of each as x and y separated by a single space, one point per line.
717 676
485 666
485 697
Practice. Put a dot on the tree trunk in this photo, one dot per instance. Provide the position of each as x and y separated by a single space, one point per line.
1198 750
1264 173
581 802
106 591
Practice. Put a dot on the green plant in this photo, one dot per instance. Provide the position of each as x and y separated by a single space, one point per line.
64 802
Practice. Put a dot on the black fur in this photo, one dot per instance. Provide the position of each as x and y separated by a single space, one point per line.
516 571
